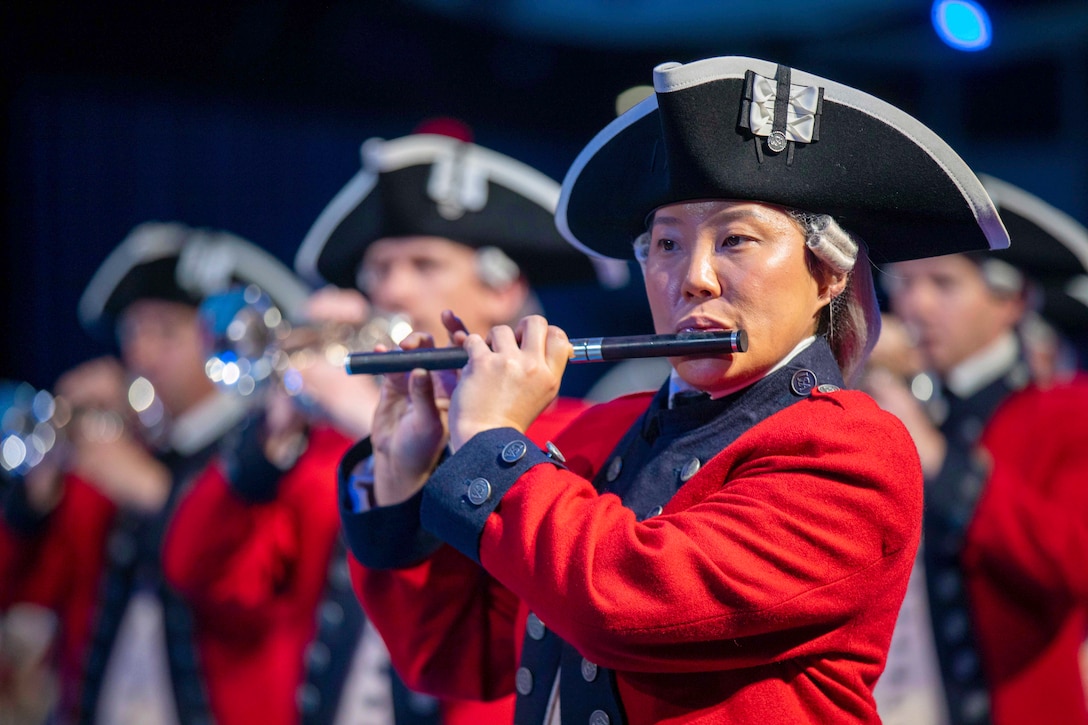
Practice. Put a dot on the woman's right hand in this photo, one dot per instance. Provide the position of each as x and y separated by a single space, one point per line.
409 430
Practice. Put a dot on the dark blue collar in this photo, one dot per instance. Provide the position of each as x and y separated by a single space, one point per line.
811 368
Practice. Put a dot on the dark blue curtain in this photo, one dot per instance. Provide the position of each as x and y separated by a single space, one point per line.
87 164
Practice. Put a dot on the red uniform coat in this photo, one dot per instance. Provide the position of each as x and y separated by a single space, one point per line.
60 567
766 592
71 561
255 573
1024 556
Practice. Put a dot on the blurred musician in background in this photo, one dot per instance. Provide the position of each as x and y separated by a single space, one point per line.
993 621
82 530
260 600
431 221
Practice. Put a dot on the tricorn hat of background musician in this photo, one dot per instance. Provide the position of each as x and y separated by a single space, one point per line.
174 262
1065 305
1048 245
432 184
1049 252
747 129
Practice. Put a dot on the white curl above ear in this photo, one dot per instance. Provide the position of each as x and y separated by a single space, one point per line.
831 244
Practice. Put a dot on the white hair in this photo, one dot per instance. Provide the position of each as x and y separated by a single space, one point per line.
495 268
852 321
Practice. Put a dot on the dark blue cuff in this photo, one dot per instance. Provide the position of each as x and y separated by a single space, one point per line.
251 475
19 515
468 487
385 537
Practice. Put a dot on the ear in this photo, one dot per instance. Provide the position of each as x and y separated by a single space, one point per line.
831 284
1014 307
507 302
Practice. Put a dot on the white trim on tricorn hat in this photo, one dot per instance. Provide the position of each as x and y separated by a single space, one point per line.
423 149
171 261
741 128
435 185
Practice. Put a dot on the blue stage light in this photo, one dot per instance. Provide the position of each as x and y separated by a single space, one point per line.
962 24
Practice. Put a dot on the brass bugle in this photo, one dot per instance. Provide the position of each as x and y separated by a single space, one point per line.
33 422
253 343
589 349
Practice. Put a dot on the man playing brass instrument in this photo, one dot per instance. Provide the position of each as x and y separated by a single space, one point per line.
993 624
429 222
81 532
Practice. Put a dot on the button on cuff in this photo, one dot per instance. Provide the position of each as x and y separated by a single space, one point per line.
479 491
513 451
467 488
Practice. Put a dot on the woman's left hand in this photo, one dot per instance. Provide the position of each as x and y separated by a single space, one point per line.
409 430
509 380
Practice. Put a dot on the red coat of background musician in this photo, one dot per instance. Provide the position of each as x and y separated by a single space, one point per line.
255 573
1023 557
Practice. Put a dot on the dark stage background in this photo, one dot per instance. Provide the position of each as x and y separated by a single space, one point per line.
249 116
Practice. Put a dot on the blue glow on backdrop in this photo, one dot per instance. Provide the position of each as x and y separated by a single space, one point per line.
962 24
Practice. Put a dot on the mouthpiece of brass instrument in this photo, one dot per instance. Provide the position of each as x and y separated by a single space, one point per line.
589 349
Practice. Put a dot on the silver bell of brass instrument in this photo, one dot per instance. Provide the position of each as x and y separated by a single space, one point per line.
252 343
35 422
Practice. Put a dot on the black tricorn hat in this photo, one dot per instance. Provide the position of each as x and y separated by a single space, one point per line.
1065 305
1049 248
174 262
747 129
1048 245
436 185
